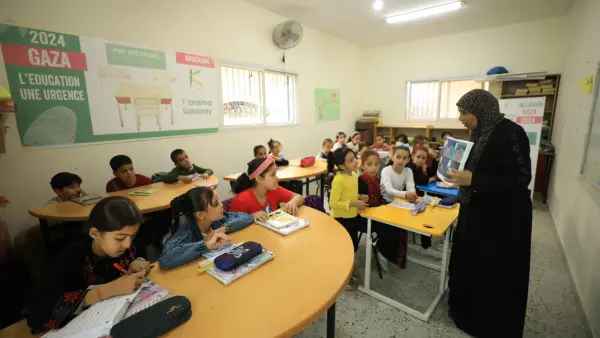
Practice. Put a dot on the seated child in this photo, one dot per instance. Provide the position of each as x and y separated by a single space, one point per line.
125 176
184 169
421 141
340 141
114 221
260 151
444 138
66 186
204 229
422 174
401 139
353 142
380 144
275 149
327 145
388 242
259 193
397 180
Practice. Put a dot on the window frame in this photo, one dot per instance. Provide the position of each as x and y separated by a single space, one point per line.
437 119
262 70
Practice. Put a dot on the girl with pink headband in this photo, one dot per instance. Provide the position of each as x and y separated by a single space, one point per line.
258 191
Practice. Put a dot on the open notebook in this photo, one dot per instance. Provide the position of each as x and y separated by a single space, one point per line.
97 320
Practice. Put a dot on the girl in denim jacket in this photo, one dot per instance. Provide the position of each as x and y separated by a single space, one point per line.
204 227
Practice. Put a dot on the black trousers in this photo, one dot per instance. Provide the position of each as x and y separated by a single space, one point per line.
351 225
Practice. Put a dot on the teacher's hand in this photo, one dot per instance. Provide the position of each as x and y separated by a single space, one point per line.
462 178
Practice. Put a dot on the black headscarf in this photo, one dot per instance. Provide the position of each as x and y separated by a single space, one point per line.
486 108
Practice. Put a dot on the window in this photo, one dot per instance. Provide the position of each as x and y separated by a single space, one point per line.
254 97
436 100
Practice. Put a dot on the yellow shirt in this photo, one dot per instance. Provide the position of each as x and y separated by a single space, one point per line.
344 189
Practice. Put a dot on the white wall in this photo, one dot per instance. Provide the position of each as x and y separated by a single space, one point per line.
574 205
524 47
226 29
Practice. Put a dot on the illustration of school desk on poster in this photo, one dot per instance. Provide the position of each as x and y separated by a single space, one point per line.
147 100
327 105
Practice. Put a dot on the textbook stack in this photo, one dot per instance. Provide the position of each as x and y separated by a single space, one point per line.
370 116
283 223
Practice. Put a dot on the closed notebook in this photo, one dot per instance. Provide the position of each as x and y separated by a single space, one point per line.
143 192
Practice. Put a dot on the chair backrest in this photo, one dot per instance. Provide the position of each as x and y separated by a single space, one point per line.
314 202
227 202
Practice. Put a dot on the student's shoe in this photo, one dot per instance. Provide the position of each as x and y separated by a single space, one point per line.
430 252
385 264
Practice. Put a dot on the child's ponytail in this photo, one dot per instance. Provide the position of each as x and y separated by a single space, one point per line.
330 164
243 183
180 206
186 204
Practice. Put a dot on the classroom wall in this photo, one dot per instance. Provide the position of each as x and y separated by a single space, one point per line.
574 204
226 29
524 47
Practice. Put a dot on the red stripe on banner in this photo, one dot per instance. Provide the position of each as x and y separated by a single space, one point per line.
529 119
194 60
19 55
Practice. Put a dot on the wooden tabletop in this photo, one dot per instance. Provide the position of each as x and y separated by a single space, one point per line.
292 172
160 200
278 299
434 221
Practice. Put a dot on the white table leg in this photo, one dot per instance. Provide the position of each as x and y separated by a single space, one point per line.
367 284
444 266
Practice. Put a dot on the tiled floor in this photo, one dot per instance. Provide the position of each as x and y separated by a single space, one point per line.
552 309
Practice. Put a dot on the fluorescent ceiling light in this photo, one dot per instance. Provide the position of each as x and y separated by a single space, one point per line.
425 12
378 5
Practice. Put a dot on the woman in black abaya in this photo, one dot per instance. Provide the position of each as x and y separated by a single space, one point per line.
489 266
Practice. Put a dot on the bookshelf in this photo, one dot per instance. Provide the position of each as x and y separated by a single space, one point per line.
511 89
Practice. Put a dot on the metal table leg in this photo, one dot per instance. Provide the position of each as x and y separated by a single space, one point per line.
331 321
45 228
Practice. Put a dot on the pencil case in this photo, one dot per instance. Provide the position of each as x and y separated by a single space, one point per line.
154 321
448 202
238 256
307 161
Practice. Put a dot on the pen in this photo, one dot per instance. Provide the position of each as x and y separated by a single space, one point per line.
120 268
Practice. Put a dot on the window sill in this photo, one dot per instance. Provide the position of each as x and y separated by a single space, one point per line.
260 125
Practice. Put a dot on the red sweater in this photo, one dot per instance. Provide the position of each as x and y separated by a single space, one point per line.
116 184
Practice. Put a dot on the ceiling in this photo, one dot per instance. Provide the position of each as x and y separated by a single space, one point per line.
355 21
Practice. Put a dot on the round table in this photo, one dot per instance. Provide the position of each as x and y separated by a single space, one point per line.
73 212
281 297
278 299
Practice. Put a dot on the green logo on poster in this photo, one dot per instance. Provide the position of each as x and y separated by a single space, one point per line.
194 82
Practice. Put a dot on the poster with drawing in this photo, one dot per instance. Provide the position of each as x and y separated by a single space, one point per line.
327 105
529 114
73 89
454 155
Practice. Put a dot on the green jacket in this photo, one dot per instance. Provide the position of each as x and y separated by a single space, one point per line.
179 171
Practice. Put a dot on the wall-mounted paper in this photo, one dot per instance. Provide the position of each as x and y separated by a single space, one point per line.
587 84
4 93
327 105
